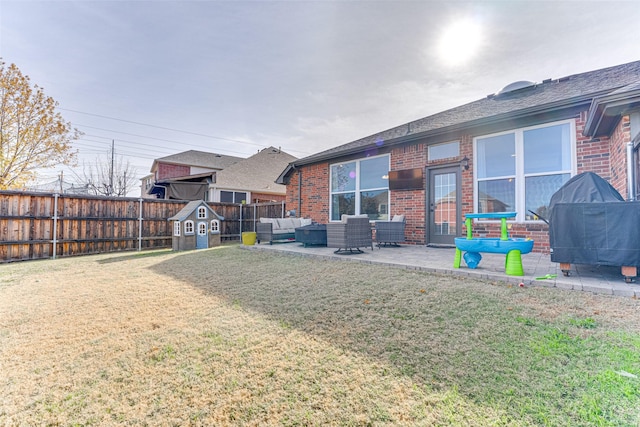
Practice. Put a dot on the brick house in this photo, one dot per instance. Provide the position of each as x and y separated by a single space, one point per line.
198 175
509 151
184 175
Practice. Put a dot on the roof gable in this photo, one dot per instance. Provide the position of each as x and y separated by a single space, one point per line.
257 173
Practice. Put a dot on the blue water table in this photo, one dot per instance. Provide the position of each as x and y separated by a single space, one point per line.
512 247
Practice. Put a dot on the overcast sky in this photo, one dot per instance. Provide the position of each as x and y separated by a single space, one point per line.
161 77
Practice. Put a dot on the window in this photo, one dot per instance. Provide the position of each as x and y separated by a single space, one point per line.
188 227
360 187
443 151
520 170
176 228
215 226
202 228
233 197
202 212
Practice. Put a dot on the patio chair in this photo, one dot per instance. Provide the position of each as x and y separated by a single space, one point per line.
349 235
390 232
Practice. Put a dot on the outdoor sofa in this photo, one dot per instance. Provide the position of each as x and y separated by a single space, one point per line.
274 229
350 234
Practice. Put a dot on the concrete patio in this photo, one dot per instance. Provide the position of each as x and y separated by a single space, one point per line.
588 278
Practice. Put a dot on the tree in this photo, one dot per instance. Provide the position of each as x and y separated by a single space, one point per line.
33 135
109 175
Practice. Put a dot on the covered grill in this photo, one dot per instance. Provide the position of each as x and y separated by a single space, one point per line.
590 223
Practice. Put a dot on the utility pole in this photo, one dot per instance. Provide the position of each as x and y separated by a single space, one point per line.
61 180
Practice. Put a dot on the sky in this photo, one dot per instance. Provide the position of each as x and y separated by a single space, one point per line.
233 77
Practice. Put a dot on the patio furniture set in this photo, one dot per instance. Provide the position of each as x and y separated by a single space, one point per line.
347 236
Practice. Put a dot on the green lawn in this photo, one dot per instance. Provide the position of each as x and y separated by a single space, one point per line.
228 336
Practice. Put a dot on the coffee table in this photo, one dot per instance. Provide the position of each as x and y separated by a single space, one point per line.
314 234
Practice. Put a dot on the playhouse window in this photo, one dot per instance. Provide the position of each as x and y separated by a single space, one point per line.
176 228
188 227
215 226
520 170
202 228
202 212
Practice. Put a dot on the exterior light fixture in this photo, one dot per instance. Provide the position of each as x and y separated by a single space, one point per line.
465 163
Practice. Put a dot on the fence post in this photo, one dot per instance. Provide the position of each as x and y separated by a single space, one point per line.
255 207
140 226
240 207
55 224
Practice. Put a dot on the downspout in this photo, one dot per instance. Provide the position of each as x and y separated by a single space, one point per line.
299 193
630 174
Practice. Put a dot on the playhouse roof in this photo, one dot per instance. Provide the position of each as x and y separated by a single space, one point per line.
190 208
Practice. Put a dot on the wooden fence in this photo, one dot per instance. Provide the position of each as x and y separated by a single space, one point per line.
45 225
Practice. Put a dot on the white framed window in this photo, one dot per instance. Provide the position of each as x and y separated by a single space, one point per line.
215 226
202 212
446 150
360 187
188 227
202 228
518 171
176 228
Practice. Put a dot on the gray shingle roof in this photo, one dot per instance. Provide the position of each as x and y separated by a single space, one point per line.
256 173
201 159
548 95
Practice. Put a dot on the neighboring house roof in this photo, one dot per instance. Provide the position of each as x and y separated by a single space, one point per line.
524 100
256 173
200 159
190 208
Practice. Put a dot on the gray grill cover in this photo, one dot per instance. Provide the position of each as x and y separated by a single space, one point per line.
590 223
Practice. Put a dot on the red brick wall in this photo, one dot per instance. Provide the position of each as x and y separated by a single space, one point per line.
410 203
314 194
619 139
166 171
592 153
266 198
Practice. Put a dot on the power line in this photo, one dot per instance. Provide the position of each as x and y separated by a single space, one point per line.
153 138
161 127
166 128
124 149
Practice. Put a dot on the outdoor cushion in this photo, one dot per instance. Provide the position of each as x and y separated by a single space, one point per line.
398 218
288 223
345 216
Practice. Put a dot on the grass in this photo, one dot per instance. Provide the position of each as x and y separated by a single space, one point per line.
234 337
